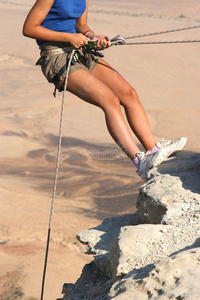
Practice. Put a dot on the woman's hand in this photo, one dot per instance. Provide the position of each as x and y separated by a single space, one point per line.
77 40
103 41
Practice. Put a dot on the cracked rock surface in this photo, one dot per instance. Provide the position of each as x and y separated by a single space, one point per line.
154 253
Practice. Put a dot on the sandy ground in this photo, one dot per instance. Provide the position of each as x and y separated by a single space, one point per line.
95 180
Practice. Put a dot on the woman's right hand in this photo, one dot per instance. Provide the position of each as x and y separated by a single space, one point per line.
77 40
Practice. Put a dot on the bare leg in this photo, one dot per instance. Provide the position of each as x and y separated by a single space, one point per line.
92 90
128 97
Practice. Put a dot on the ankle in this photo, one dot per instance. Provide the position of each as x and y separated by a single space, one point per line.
136 162
154 149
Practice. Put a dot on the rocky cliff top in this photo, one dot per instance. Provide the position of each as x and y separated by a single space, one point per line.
154 253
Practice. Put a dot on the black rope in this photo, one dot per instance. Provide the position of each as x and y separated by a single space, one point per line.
45 263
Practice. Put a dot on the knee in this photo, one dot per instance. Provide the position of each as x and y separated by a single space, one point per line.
130 98
133 94
112 104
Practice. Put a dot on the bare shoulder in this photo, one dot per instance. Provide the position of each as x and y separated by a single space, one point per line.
43 4
41 8
38 12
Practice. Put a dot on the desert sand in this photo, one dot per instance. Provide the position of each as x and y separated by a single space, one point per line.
95 179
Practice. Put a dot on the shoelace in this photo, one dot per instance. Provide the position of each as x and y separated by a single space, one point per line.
163 143
143 155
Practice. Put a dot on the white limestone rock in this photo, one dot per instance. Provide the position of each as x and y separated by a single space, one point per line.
98 239
171 194
137 246
175 277
156 260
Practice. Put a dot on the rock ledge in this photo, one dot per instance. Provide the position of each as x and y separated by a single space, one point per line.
154 253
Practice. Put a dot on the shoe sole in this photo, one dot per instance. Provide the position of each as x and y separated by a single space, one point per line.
182 144
162 158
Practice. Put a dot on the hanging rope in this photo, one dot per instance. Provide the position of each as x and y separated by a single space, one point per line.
56 172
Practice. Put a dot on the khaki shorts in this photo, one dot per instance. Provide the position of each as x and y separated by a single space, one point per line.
54 66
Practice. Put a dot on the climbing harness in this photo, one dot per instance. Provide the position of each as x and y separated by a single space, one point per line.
57 51
118 40
56 172
90 47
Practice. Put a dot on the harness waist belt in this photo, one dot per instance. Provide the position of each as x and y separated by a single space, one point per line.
57 51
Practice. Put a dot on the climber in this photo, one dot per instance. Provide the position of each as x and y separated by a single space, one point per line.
60 26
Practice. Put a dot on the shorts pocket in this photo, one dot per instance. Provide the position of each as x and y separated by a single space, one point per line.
52 65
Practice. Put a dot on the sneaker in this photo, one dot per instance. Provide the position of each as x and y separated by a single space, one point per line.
166 149
146 163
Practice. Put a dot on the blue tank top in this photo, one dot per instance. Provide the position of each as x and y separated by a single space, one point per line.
63 15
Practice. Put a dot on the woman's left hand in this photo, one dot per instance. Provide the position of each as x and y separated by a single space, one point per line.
103 41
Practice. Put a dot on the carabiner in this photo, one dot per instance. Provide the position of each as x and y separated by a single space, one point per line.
117 40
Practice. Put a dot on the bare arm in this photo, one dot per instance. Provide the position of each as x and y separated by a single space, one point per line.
32 26
81 23
82 26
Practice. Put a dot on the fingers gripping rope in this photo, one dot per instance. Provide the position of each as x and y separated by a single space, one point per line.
56 173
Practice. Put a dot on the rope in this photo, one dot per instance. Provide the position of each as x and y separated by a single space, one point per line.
56 172
118 40
161 32
158 42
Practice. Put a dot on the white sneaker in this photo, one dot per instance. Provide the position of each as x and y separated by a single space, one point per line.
168 148
146 163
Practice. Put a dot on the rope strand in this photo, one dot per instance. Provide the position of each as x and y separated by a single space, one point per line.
160 42
118 40
161 32
56 173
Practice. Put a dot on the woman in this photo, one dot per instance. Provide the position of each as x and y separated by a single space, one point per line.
60 26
